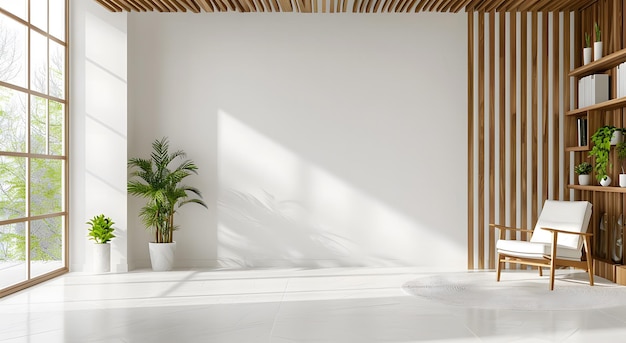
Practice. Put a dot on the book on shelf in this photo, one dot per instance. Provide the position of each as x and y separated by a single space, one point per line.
621 80
593 89
581 131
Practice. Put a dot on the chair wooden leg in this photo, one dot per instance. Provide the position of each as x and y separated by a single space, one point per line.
586 244
498 267
540 271
553 260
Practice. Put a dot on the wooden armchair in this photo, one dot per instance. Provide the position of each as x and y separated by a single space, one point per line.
557 240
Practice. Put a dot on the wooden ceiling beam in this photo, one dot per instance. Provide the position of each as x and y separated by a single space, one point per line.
132 4
141 6
195 8
492 5
400 6
121 4
206 5
460 5
286 6
156 5
167 5
420 5
527 5
409 5
444 6
109 6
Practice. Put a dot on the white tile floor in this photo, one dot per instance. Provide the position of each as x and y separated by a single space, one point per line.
287 305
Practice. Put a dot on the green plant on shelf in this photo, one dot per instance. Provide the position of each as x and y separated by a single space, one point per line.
601 147
598 32
587 40
583 168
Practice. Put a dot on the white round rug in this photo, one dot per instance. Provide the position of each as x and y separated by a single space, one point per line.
518 290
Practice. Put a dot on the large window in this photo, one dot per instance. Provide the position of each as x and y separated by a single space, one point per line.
33 141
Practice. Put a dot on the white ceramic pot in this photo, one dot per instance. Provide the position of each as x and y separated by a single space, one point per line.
597 51
102 258
587 55
618 137
162 256
606 181
584 180
622 180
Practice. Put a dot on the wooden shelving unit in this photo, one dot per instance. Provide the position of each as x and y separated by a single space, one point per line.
609 199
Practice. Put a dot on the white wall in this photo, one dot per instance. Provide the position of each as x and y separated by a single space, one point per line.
98 110
322 140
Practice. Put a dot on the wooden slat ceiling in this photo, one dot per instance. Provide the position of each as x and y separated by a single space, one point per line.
336 6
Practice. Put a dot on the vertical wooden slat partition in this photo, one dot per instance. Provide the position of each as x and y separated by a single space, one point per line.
518 64
520 93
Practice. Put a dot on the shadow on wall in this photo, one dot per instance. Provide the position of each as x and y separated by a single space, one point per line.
261 231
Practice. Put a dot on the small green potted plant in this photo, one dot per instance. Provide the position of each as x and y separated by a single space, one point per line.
597 44
587 49
101 230
583 170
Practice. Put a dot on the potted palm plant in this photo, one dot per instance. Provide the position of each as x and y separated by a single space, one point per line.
101 232
159 180
583 170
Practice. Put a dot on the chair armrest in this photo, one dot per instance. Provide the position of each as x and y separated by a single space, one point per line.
508 228
588 234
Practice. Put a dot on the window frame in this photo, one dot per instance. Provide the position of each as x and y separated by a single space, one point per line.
64 214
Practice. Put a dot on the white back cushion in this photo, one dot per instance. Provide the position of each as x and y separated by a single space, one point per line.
570 216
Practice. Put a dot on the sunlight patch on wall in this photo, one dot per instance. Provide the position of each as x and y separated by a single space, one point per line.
277 209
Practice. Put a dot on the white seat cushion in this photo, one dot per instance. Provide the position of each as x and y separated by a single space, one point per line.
536 250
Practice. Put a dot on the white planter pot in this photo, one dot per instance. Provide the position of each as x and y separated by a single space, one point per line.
584 180
606 181
597 51
587 55
618 137
622 180
162 256
102 258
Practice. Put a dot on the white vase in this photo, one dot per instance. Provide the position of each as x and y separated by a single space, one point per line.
102 258
618 137
597 51
606 181
584 180
587 55
162 256
622 180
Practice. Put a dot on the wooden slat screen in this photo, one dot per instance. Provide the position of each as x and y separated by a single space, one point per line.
518 80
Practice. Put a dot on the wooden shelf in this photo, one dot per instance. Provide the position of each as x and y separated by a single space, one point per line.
609 189
607 62
578 148
603 106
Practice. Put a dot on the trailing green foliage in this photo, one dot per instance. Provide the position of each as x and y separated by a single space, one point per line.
154 180
621 154
101 229
601 147
583 169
